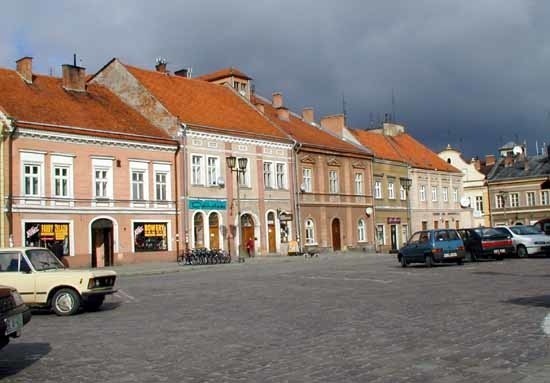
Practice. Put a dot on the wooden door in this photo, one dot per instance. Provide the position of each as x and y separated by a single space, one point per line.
271 236
214 231
393 235
336 234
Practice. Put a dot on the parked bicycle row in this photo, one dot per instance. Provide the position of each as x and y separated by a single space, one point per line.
203 256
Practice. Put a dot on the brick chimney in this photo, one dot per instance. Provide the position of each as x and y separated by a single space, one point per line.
308 115
277 100
490 160
161 66
476 162
335 124
508 161
260 107
24 68
283 113
74 78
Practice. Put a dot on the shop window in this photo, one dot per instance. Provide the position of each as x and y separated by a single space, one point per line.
54 236
150 236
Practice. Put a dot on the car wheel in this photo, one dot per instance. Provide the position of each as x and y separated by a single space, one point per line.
521 251
403 261
94 303
429 261
65 302
460 262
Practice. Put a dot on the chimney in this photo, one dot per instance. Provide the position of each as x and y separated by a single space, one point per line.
161 66
283 113
307 115
74 78
490 159
277 100
477 163
260 107
185 72
508 161
24 68
335 124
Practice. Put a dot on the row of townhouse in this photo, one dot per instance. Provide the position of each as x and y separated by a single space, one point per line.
508 189
133 165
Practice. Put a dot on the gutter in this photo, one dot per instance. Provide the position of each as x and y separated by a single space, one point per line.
11 134
296 149
185 186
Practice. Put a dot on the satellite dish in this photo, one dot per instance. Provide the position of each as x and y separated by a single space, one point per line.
465 202
369 211
221 182
517 150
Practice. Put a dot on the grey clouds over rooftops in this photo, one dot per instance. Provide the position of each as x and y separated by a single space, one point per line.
474 74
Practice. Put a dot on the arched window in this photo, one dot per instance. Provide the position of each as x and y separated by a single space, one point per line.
310 232
361 231
198 230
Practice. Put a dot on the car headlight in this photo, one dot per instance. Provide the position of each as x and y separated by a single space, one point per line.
17 298
93 283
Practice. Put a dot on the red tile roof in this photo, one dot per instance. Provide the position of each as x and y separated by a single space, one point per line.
306 134
207 105
94 112
223 73
403 148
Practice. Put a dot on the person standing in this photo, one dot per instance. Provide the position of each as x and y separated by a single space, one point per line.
250 247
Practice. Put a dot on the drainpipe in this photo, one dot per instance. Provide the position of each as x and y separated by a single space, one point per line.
176 189
183 132
295 149
12 128
3 131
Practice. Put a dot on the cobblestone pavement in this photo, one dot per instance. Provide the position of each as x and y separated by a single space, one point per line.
331 319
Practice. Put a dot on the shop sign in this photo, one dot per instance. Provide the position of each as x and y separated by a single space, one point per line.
57 231
207 204
154 229
285 216
394 220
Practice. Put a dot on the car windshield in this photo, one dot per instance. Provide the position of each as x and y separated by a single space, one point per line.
525 230
43 259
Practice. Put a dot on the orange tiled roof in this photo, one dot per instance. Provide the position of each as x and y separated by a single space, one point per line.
403 148
46 102
305 133
201 103
223 73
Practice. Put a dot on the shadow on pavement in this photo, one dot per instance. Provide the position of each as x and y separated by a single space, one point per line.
537 301
16 357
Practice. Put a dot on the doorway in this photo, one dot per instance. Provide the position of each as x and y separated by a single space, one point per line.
271 234
393 235
102 243
336 245
247 229
214 230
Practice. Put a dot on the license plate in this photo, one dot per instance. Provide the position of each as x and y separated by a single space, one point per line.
449 255
499 251
14 323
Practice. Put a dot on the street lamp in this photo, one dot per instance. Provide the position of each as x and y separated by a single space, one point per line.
240 169
406 183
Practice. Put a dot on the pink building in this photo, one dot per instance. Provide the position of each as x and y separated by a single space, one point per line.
86 175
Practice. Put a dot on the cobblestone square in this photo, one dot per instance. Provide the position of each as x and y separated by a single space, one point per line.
350 318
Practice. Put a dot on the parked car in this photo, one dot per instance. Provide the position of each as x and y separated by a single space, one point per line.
528 240
43 280
432 246
487 243
544 225
14 314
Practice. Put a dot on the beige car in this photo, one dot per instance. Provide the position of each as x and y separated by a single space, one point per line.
43 281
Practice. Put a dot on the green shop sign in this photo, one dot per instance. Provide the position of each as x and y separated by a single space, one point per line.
204 204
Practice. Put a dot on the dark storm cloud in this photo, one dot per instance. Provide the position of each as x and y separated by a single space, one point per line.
469 73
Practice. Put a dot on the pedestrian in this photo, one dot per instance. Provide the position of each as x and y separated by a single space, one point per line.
250 247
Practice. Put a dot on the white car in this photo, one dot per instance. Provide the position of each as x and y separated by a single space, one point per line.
528 240
42 280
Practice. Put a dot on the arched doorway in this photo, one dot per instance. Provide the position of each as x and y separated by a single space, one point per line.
271 234
214 230
336 234
102 243
198 231
247 229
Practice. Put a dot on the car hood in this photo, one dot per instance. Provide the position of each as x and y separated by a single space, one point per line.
85 273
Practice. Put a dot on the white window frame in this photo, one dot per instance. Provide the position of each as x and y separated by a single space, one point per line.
545 197
434 193
268 174
307 176
166 170
333 181
139 167
65 162
514 199
100 164
212 170
33 159
361 230
309 231
402 193
455 195
500 201
197 169
479 203
380 241
445 193
422 193
280 175
391 190
359 189
404 232
244 179
378 189
32 179
530 198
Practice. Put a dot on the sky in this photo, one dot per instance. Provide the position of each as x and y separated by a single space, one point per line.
474 74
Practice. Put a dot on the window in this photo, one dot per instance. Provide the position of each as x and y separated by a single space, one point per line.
310 232
514 199
380 237
359 183
391 191
212 171
455 195
31 174
434 194
531 199
61 181
479 203
244 178
137 185
306 179
196 170
361 231
545 197
424 225
150 236
377 189
281 176
436 224
198 230
422 193
268 175
332 181
402 193
101 183
405 232
445 192
160 186
499 201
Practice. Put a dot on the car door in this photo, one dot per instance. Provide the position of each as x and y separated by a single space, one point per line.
16 272
424 246
410 249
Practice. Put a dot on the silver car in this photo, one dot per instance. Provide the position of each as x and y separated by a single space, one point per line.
528 240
